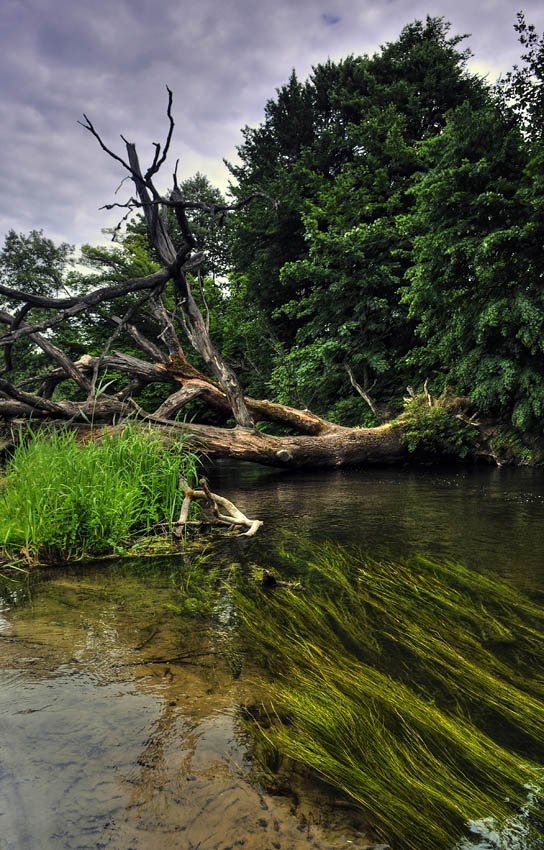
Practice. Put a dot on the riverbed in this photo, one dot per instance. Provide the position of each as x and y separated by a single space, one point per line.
122 719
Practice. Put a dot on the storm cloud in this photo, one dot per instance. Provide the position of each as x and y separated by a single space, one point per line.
113 58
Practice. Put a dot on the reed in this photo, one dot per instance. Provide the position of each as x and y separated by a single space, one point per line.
411 687
63 500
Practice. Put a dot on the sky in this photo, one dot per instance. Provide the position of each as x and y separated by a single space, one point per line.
223 59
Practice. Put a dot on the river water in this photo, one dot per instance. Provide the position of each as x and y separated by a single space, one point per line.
121 722
486 517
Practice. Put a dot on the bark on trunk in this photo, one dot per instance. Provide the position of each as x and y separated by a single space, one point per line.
337 448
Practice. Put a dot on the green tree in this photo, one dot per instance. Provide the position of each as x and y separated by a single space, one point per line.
476 283
523 86
339 152
32 263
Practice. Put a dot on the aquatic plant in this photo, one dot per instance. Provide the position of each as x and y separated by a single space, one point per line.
411 687
197 586
65 500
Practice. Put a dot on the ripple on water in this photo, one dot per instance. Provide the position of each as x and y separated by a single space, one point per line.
105 744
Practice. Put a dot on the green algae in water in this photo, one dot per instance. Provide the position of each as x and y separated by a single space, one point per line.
414 688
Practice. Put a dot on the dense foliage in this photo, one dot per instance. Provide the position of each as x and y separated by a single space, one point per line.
407 242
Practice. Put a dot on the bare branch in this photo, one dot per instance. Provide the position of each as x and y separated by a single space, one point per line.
176 201
16 322
63 409
121 184
120 327
89 126
168 333
77 304
158 162
428 396
119 224
231 515
364 393
203 296
138 337
55 353
175 175
179 399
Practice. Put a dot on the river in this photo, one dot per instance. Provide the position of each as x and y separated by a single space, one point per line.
485 517
122 722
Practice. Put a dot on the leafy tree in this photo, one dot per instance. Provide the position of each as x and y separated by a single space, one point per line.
33 263
476 282
339 153
262 240
349 315
523 87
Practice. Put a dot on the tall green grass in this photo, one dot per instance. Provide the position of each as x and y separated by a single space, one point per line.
415 688
63 500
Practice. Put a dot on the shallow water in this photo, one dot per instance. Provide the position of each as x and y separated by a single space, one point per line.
120 720
488 518
120 726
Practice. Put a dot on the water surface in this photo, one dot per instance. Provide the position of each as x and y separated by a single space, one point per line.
120 721
486 517
121 727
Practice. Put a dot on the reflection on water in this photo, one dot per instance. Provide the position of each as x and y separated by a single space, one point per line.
120 726
487 518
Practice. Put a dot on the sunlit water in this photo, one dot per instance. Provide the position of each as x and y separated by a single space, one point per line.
120 721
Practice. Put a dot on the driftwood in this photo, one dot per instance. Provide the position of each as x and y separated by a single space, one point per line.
224 512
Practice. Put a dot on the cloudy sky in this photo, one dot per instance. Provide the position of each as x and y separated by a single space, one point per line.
222 58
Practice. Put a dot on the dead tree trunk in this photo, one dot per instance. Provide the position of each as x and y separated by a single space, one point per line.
315 441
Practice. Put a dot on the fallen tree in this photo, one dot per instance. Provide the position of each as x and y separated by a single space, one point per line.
313 441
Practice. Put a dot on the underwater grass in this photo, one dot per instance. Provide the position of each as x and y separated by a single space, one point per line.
63 500
415 688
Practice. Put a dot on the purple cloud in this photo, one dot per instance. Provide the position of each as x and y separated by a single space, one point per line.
59 59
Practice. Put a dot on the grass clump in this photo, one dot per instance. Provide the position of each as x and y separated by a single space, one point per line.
411 687
435 430
62 500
